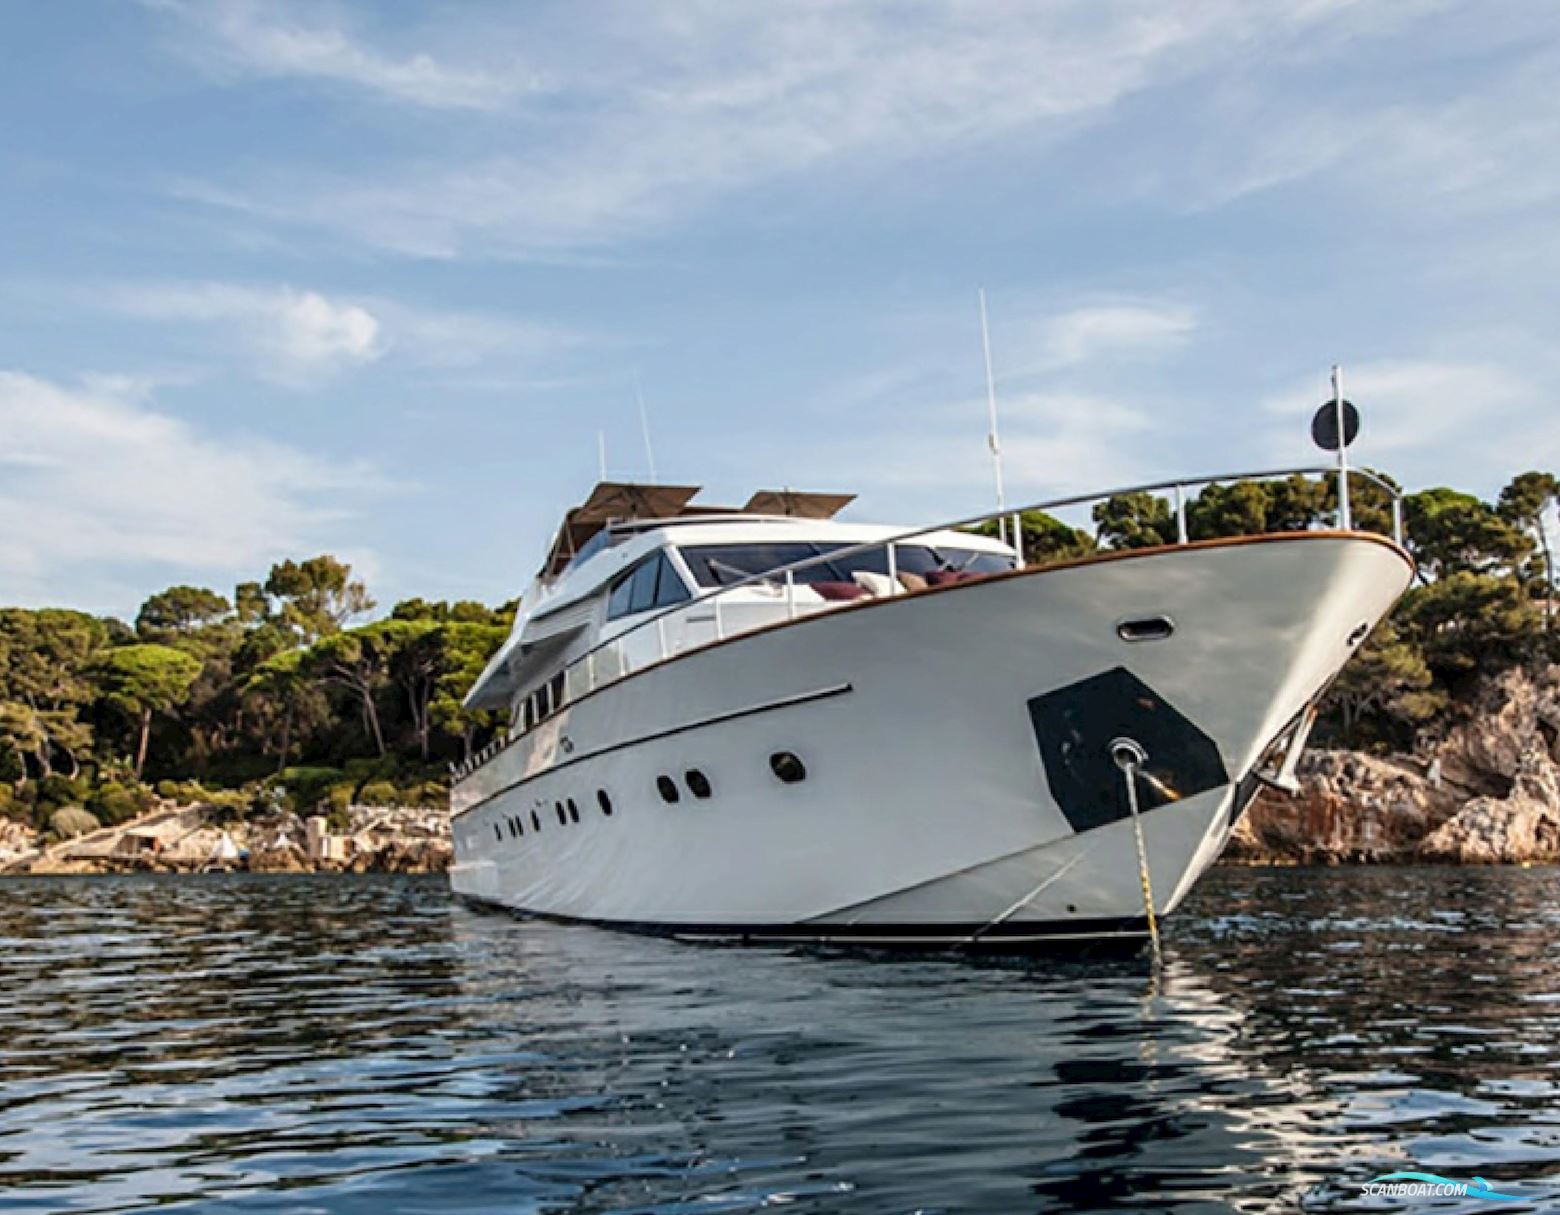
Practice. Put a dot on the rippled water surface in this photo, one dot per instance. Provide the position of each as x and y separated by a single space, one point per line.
361 1044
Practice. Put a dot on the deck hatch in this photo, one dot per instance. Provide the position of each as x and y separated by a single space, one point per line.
1075 725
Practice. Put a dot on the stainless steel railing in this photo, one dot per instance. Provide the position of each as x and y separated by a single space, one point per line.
611 660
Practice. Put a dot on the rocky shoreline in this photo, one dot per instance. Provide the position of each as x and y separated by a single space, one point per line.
201 838
1487 792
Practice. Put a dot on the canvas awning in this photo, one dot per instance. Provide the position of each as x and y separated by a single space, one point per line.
796 504
611 502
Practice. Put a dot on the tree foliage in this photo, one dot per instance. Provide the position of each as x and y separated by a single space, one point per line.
141 680
278 678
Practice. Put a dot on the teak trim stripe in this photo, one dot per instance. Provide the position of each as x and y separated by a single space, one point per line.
785 702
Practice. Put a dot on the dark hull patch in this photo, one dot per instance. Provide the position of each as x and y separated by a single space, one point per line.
1075 727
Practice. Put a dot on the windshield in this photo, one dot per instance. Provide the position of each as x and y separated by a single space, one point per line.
725 564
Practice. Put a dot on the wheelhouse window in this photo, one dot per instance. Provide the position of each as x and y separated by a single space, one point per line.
653 583
716 565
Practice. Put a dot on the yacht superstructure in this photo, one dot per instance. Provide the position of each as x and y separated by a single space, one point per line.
765 723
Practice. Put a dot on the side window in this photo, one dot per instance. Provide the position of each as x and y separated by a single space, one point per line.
641 595
669 587
652 583
617 601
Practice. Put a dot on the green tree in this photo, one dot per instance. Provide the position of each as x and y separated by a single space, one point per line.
145 679
1239 508
45 681
1252 508
1451 532
1468 623
467 647
1525 502
356 661
173 616
1046 539
415 659
1136 520
1387 682
314 598
284 702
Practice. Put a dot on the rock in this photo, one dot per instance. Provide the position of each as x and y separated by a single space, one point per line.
1350 808
284 858
1488 792
1520 828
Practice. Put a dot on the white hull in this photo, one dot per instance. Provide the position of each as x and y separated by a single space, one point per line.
927 814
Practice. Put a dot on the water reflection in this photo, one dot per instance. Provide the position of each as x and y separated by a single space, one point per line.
359 1044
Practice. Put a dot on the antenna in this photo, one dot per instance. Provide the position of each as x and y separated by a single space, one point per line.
644 427
992 440
601 454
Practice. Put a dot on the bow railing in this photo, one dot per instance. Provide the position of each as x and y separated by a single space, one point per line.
647 643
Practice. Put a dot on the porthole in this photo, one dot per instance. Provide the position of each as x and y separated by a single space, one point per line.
574 811
787 765
604 802
563 816
1147 628
698 783
667 788
536 823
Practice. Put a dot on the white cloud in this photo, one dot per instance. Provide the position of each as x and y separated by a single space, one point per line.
300 338
1471 150
272 40
296 337
99 492
1094 331
687 103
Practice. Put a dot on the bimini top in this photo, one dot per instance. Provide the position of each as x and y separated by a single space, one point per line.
624 501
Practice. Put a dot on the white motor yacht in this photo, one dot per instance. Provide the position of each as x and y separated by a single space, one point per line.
769 724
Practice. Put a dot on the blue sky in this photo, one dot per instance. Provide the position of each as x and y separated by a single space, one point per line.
363 278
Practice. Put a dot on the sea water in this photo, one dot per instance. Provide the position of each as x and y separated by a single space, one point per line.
364 1044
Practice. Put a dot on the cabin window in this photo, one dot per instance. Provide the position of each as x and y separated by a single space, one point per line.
617 601
667 788
698 783
653 583
555 690
604 802
723 564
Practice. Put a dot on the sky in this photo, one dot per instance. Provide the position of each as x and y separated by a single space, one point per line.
371 278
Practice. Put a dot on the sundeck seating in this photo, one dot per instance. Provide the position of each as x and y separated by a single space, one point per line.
838 590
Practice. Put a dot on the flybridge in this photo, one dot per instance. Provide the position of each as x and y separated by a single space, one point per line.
617 502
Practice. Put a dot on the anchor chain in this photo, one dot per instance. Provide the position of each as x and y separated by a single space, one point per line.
1130 756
